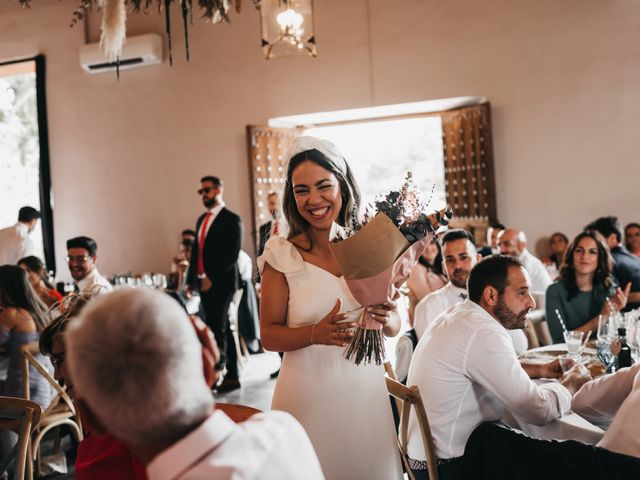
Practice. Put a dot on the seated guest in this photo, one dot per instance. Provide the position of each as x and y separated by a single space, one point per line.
39 280
558 243
82 259
632 238
612 402
22 317
492 240
513 242
494 453
99 457
626 266
426 276
179 267
145 385
460 256
580 294
468 372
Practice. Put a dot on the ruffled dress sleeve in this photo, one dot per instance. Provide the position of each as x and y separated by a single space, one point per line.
282 255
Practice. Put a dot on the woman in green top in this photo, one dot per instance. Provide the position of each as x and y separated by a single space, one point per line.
585 283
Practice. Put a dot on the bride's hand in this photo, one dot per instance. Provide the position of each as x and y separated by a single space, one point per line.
329 332
381 313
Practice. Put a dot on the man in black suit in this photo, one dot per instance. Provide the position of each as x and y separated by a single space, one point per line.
626 266
270 228
214 271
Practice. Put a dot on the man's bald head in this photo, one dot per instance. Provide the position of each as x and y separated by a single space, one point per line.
512 241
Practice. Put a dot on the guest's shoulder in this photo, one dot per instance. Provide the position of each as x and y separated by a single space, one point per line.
278 427
435 298
230 214
558 288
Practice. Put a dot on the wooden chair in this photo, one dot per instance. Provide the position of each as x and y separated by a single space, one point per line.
21 416
410 396
61 410
237 413
388 369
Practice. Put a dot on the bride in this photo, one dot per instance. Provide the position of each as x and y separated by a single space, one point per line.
307 312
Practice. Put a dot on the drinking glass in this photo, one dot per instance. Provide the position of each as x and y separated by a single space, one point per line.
603 327
604 353
574 343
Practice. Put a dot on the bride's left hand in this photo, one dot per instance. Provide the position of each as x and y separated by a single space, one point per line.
382 313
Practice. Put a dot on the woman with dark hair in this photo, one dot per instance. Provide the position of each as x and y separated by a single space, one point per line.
585 289
22 318
632 238
426 276
558 243
308 312
37 274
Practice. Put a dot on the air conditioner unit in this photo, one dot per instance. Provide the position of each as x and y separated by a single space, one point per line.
138 51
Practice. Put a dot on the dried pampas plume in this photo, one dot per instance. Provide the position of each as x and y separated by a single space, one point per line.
114 16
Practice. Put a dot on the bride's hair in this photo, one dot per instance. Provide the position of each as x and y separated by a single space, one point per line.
348 188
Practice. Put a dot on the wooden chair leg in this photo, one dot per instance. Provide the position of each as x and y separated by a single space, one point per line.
29 465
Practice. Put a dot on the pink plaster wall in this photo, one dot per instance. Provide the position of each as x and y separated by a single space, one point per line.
126 156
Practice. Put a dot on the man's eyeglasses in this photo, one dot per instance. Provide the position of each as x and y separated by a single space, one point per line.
77 258
205 190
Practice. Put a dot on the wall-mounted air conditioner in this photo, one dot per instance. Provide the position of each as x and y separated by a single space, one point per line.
138 51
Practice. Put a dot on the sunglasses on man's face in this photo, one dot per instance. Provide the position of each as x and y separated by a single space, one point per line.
205 190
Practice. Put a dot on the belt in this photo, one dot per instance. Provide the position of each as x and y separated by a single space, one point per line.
422 464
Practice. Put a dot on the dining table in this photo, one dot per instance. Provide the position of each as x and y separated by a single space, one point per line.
570 426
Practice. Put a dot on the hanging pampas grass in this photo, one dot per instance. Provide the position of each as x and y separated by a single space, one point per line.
114 30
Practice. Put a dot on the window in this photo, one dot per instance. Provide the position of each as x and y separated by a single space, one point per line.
380 153
24 159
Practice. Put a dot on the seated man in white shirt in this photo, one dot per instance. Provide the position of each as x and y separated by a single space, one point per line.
136 365
82 258
494 453
513 242
459 255
467 370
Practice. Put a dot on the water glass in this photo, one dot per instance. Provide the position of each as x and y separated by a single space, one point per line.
574 343
607 358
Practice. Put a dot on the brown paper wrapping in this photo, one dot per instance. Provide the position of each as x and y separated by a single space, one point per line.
372 250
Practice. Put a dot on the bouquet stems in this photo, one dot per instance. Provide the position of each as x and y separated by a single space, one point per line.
367 346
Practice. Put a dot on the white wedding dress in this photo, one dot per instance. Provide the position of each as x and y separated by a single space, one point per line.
344 407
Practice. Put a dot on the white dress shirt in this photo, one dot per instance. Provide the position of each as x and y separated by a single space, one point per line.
468 373
266 446
436 303
214 213
15 244
540 278
245 266
614 397
88 283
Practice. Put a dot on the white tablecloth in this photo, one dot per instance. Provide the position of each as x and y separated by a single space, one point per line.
569 427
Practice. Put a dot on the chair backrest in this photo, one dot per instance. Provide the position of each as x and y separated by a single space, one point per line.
28 358
410 396
237 413
18 414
